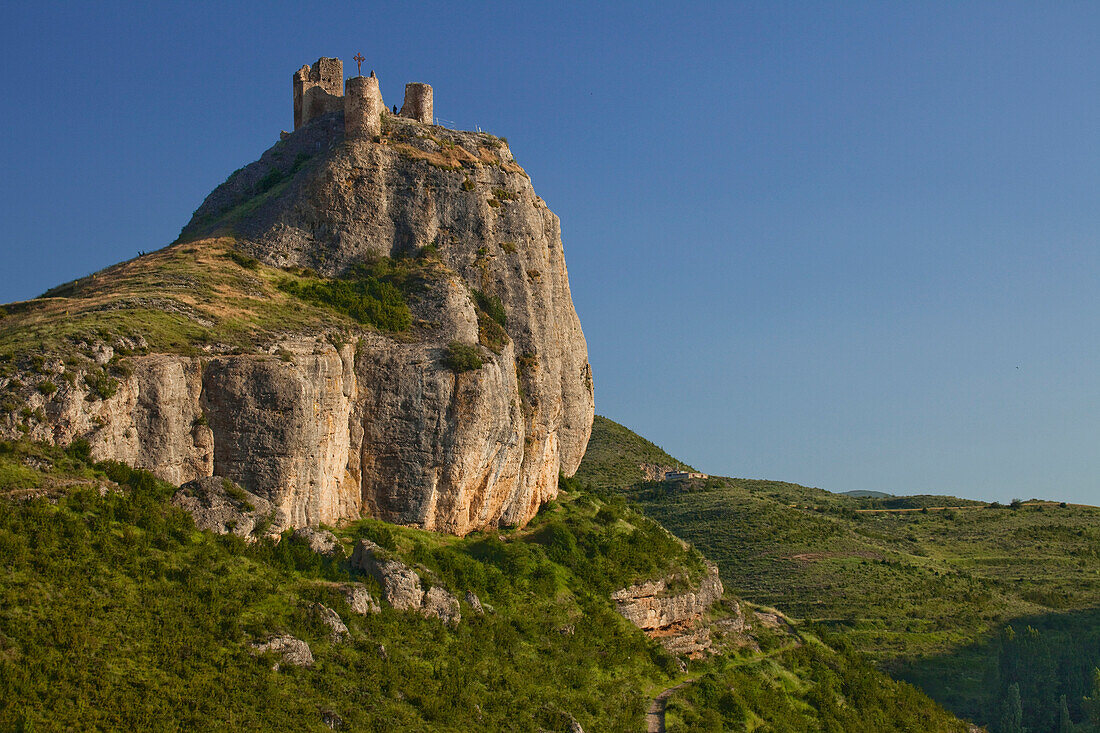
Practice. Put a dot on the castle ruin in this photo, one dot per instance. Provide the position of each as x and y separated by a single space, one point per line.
320 89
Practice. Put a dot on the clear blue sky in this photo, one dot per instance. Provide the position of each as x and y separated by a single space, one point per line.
852 245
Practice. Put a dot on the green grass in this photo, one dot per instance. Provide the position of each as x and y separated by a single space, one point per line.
208 296
615 455
920 592
116 613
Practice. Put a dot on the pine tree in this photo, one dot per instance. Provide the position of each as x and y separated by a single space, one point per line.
1065 725
1012 720
1091 703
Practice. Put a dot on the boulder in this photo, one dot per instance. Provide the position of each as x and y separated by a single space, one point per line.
219 505
291 651
320 541
359 599
440 604
475 603
330 619
400 583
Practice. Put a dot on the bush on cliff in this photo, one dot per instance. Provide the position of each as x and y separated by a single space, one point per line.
460 357
364 298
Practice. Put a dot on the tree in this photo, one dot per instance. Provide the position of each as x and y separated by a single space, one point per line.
1091 703
1012 719
1065 725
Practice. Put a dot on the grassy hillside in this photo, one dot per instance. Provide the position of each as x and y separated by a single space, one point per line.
203 295
616 454
925 591
116 613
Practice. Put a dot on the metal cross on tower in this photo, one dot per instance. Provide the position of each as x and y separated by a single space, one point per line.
358 58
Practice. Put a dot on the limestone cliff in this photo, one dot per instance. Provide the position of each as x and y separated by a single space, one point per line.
652 605
324 418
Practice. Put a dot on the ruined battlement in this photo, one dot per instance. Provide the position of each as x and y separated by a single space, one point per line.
319 89
418 102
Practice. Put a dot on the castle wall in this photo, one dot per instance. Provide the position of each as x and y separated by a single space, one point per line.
318 89
363 107
418 103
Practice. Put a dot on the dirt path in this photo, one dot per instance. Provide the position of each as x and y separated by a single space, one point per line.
655 716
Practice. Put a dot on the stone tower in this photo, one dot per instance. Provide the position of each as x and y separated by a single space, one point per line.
363 107
318 89
418 102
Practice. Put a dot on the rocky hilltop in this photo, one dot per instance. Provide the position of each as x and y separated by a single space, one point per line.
370 326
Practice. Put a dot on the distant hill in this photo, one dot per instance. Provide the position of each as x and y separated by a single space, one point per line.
924 591
865 494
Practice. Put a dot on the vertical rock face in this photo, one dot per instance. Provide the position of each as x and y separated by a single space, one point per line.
281 429
379 426
446 452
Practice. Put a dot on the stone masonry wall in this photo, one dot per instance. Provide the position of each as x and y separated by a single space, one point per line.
318 89
418 103
363 107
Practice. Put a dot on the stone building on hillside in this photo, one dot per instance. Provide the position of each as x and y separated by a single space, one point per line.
320 89
683 475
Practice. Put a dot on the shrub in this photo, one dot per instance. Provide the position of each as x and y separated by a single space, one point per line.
100 385
490 321
272 179
249 263
492 305
377 532
80 450
508 247
47 387
300 160
365 298
467 185
460 357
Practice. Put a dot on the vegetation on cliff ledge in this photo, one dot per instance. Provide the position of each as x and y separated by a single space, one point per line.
361 294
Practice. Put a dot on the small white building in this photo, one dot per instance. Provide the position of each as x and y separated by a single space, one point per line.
683 475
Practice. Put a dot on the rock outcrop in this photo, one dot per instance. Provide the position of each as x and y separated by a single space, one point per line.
651 606
219 505
378 425
400 583
291 651
680 621
320 541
